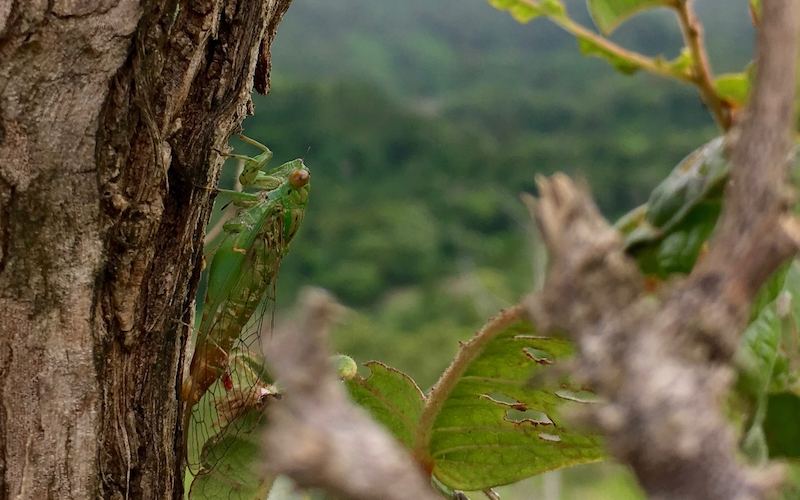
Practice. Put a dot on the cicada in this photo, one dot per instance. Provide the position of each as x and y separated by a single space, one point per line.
226 377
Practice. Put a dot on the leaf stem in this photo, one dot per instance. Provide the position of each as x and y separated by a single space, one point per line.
700 76
467 353
644 62
703 77
581 32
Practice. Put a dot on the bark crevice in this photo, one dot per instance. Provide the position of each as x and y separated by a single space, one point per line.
110 112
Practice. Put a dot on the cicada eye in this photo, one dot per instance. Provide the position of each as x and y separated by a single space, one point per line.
299 178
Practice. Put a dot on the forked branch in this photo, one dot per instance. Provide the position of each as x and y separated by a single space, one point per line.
662 364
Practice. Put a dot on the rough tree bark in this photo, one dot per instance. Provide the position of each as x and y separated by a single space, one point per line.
110 114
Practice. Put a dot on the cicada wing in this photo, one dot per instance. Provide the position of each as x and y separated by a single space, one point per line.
245 385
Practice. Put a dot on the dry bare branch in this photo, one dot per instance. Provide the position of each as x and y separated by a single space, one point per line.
662 364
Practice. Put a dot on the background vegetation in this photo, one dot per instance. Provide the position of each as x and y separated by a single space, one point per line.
422 122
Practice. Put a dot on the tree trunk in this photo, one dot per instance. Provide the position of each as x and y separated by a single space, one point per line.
111 112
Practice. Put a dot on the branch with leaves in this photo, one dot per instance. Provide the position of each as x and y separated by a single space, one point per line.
662 363
723 95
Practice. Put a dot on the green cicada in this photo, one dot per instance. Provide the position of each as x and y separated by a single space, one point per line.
225 378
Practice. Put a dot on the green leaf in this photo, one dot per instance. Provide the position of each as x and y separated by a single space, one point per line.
756 356
733 88
681 247
233 475
589 47
553 8
494 428
502 4
755 11
786 374
765 358
769 291
660 253
791 484
682 64
695 179
391 397
759 351
782 425
608 14
668 233
526 10
769 349
524 13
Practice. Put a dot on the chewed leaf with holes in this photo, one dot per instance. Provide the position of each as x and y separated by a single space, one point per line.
495 428
490 426
391 397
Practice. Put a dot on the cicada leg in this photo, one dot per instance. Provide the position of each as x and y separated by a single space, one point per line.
252 142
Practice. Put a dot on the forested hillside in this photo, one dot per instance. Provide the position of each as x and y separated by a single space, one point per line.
422 122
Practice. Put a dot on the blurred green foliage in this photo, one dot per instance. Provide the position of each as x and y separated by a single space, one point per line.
421 123
400 197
